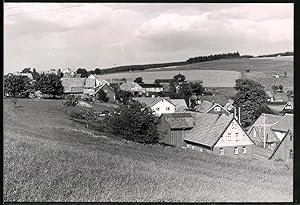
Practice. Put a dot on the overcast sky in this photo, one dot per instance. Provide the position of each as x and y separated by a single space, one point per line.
56 35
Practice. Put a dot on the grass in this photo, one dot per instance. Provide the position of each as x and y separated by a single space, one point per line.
47 157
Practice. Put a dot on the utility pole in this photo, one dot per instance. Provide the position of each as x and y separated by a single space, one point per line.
239 115
264 130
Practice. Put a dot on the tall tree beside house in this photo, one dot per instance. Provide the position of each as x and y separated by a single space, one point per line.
179 78
138 80
135 122
197 88
102 96
250 98
185 92
50 84
16 85
122 95
60 74
83 72
35 75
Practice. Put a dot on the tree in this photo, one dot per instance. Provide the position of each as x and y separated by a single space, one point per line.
83 72
179 78
123 96
185 91
26 70
197 88
134 121
138 80
250 97
16 85
264 108
71 101
102 96
97 71
274 88
60 74
50 84
35 75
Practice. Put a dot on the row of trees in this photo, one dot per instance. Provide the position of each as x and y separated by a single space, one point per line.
213 57
20 86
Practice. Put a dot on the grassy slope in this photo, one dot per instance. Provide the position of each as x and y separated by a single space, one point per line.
49 158
262 69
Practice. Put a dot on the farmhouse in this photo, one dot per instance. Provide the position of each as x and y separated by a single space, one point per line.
73 86
276 97
288 107
180 105
134 88
268 132
211 107
218 134
152 88
108 90
159 105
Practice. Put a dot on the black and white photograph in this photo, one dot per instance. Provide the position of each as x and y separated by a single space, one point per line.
148 102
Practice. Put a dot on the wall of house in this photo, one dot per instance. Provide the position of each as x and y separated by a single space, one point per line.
229 151
279 134
234 136
163 105
283 151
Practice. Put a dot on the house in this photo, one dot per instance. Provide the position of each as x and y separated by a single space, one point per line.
68 71
110 93
218 134
134 88
165 83
173 128
211 107
94 81
152 88
73 86
180 105
276 97
267 133
288 107
29 75
158 104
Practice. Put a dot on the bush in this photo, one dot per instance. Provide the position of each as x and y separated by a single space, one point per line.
71 101
84 113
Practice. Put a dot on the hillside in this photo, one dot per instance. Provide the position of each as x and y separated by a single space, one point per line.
49 157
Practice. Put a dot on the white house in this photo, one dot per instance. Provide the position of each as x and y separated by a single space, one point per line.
159 105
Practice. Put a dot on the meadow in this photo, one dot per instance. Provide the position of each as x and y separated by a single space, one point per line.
223 73
48 157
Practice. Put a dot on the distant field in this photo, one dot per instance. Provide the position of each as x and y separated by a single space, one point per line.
223 73
47 157
211 78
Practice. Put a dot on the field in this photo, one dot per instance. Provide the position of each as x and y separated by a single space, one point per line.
223 73
47 157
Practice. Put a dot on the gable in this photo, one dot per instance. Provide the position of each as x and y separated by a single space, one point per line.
217 108
234 135
163 103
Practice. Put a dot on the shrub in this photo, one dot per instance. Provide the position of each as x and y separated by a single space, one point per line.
135 122
80 112
71 101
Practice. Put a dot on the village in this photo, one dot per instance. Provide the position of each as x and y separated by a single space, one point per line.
190 122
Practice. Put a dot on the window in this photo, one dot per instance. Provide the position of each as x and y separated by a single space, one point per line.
221 151
291 154
190 146
157 109
217 109
229 134
244 150
236 150
237 134
167 108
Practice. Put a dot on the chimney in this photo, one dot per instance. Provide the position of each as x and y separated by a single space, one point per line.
213 102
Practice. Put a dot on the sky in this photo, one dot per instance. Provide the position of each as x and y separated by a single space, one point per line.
103 35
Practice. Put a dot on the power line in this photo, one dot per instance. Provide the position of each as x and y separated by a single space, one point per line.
43 11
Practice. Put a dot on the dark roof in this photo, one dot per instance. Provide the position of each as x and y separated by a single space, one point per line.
143 85
286 123
179 120
204 106
222 100
208 128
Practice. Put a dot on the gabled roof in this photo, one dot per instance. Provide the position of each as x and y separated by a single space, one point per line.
216 98
149 101
204 106
217 104
208 128
179 103
289 103
280 144
129 85
69 83
179 120
101 87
